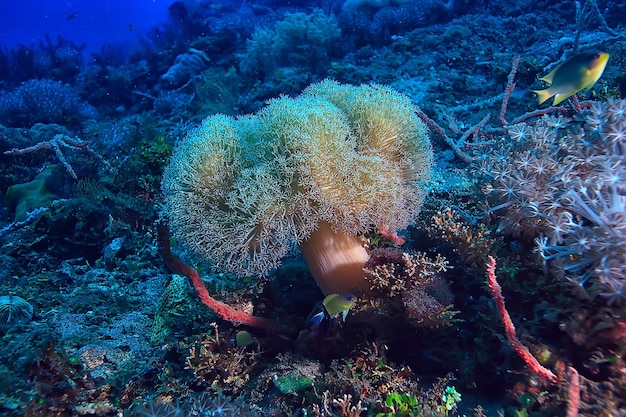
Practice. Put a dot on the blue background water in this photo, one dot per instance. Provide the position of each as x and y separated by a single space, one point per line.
95 23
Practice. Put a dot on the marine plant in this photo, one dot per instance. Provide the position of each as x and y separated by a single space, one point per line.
316 170
472 242
449 399
154 154
408 405
218 361
400 405
412 281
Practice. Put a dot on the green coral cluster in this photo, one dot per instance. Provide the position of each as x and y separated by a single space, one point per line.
175 303
292 383
301 40
315 170
407 405
23 198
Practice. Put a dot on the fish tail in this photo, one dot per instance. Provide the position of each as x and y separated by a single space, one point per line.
317 318
542 95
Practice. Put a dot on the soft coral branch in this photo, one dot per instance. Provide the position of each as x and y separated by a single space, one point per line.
392 235
509 328
224 311
573 399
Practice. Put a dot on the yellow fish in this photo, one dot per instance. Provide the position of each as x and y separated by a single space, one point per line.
338 304
244 338
577 73
334 305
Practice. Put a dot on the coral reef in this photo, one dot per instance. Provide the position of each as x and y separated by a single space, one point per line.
113 332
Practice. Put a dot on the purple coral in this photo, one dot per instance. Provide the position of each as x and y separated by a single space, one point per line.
562 183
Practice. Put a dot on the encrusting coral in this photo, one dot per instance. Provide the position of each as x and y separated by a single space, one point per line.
40 192
316 170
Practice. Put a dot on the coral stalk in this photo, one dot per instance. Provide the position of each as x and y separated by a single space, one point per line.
336 261
509 328
439 130
573 393
510 87
223 310
57 143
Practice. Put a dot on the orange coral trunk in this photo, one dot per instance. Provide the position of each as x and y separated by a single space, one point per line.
336 261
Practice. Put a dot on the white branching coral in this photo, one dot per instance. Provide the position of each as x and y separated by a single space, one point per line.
315 170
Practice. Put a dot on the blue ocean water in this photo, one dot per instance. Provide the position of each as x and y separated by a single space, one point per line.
185 184
82 21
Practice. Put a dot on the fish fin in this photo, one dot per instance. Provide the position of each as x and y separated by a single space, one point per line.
543 95
545 79
318 318
558 98
351 298
550 77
